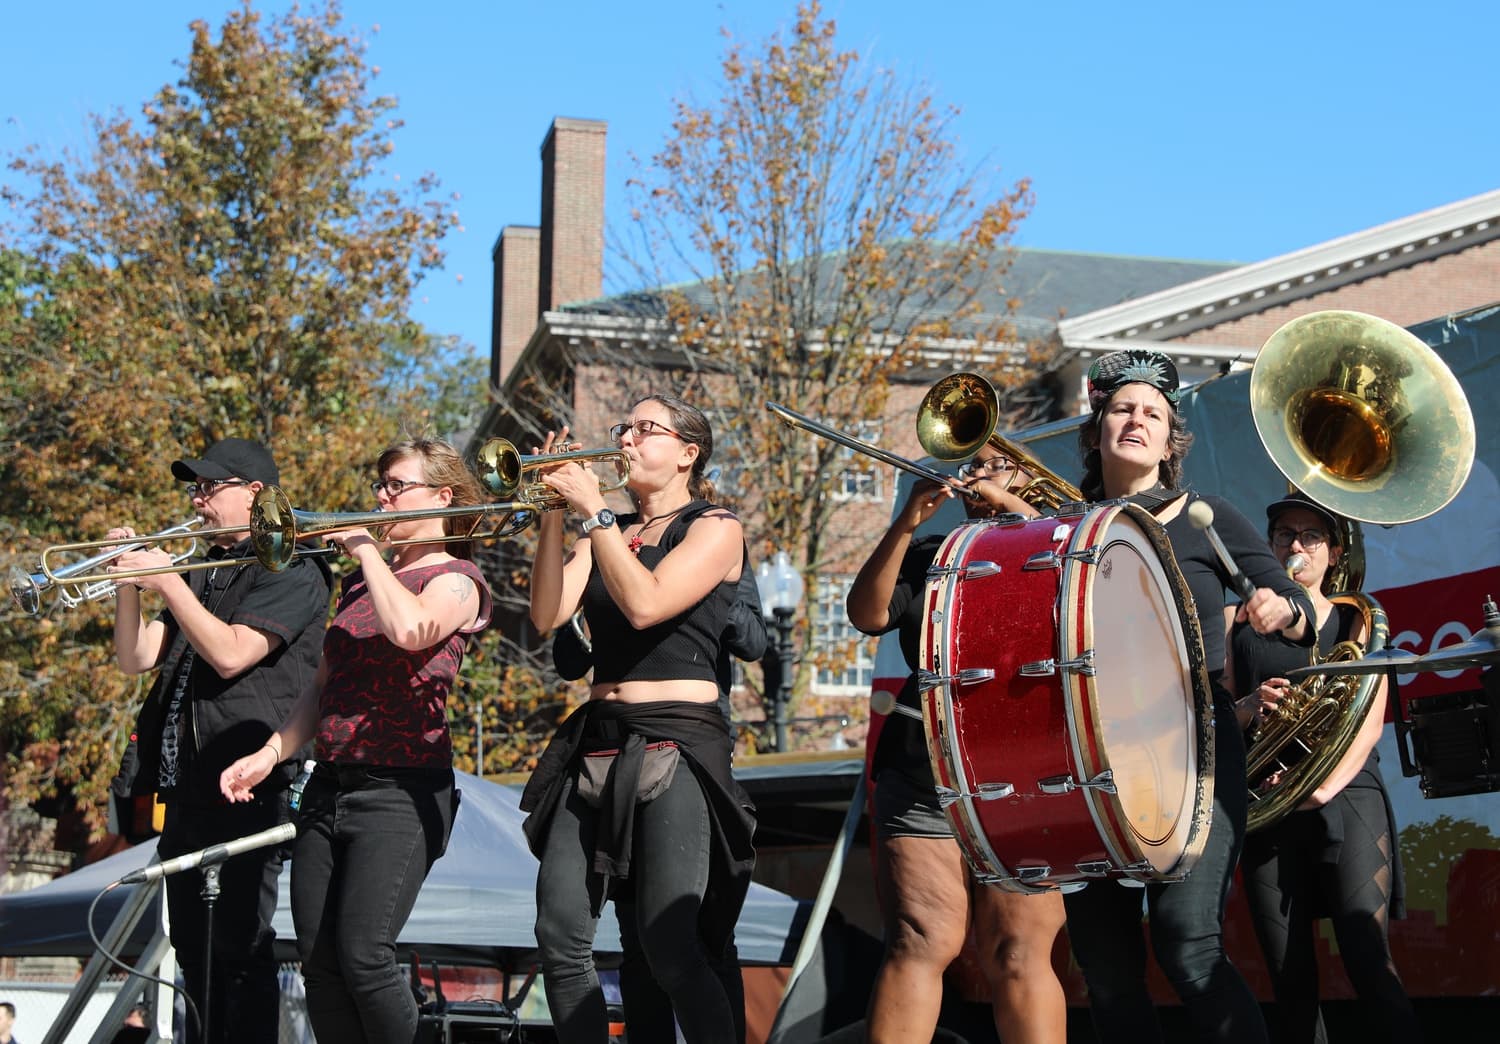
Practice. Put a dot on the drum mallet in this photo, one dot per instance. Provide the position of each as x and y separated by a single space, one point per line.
1202 517
882 702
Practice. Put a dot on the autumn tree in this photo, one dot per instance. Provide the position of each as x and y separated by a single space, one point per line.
237 259
811 238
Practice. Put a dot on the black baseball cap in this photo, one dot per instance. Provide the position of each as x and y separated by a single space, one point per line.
1299 499
231 458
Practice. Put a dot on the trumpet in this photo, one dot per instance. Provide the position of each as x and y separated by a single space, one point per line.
503 470
75 584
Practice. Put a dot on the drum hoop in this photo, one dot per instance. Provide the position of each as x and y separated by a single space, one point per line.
1080 694
941 724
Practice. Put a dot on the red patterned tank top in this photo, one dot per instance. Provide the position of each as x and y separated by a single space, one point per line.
383 705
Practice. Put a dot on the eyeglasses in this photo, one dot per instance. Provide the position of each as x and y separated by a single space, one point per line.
1310 539
205 488
640 429
991 467
395 487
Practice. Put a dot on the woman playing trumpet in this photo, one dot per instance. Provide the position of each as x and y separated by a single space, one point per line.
667 823
379 808
929 899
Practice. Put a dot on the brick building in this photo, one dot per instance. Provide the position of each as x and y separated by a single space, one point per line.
556 336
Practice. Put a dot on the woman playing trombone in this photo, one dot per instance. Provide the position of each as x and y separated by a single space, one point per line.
379 807
663 831
930 900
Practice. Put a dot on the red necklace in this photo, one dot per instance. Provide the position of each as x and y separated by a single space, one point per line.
635 543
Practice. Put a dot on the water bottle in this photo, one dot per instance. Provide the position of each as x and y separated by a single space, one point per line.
300 783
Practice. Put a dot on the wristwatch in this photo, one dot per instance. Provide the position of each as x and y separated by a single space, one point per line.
605 517
1296 614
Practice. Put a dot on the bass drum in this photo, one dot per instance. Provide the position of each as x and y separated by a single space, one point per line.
1065 699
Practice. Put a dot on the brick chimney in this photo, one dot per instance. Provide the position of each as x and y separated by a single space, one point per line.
517 264
540 269
572 212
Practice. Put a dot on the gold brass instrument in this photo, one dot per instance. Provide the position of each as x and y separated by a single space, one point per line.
503 470
276 527
1306 735
1349 405
1367 421
958 415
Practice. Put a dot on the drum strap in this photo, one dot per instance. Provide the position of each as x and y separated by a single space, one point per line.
1171 508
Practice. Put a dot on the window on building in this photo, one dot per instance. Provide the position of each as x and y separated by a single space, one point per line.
727 468
850 655
861 475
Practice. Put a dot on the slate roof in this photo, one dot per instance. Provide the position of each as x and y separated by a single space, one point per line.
1049 284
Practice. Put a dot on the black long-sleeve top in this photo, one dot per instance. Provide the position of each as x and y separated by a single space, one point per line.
1208 580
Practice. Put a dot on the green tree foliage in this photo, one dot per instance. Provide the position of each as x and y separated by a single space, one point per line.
238 260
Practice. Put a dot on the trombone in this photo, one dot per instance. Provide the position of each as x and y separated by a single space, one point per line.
276 526
958 415
76 585
503 470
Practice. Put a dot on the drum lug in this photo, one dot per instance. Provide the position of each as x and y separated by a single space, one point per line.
1027 875
994 791
927 680
1095 868
1065 784
1042 560
968 571
1046 668
986 792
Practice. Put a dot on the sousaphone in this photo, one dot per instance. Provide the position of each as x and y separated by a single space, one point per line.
1364 418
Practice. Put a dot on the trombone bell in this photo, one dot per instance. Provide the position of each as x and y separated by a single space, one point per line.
957 416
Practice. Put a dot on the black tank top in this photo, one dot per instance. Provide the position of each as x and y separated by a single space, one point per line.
686 646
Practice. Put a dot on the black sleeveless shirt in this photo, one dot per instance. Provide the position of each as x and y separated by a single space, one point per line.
686 646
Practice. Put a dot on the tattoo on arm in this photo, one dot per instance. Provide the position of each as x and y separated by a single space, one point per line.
462 588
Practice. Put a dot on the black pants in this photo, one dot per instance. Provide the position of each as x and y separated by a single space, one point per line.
365 842
1293 875
669 875
243 996
1186 928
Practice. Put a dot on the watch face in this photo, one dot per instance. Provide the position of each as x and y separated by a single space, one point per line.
606 517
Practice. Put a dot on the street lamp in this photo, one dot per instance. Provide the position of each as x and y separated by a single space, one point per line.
780 592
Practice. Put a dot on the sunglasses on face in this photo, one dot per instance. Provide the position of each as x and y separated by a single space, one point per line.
991 468
640 429
205 488
1310 539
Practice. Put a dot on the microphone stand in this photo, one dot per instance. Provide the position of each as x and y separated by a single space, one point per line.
210 895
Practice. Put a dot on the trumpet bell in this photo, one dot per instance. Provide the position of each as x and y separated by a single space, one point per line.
1349 405
957 416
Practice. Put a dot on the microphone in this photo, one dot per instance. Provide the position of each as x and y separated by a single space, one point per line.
1202 517
212 855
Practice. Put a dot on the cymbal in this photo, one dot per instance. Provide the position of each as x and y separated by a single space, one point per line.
1378 662
1482 650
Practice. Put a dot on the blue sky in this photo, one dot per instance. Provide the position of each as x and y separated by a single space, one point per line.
1182 130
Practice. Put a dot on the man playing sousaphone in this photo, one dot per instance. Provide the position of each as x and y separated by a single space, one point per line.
1337 855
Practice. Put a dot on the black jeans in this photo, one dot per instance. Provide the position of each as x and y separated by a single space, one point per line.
366 839
1186 928
669 873
244 995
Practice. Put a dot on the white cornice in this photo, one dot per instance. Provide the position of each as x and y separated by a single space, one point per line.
1180 310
